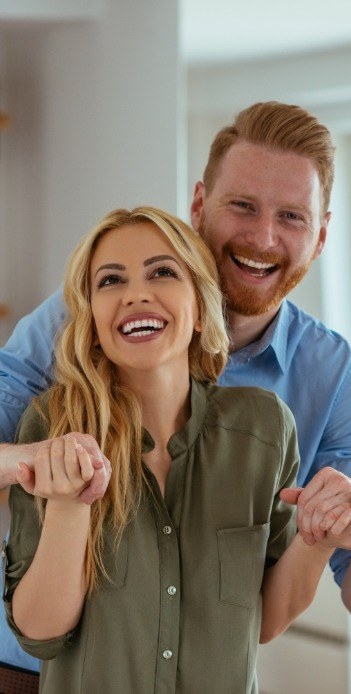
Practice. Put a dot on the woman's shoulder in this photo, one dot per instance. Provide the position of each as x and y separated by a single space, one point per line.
249 408
34 424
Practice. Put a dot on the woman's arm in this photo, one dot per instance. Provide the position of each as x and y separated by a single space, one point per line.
49 599
324 523
289 586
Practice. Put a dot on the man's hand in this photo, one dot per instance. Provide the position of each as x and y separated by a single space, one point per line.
93 489
323 506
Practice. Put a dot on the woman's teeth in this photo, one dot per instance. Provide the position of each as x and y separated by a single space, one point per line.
148 326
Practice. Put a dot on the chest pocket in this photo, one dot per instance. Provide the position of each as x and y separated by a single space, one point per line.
242 555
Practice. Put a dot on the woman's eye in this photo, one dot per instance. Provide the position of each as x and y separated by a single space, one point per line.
164 272
109 280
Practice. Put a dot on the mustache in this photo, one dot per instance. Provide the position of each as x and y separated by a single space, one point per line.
269 257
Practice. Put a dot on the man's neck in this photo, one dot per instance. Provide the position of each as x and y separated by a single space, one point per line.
246 329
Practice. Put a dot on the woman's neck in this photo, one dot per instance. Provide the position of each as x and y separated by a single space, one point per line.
165 400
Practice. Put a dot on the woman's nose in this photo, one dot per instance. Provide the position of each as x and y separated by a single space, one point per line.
137 293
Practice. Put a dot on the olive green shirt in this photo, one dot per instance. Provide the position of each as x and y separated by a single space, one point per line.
182 613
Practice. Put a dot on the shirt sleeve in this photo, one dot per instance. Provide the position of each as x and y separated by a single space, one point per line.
282 522
23 541
26 362
335 451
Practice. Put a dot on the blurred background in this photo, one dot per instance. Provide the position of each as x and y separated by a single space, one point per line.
107 103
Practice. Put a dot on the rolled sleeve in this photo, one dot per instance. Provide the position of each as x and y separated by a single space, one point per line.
26 362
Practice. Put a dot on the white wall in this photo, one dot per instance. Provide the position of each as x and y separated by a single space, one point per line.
94 126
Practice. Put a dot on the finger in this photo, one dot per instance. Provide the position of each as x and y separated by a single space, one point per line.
42 470
98 484
320 510
290 496
342 523
333 515
308 538
84 460
25 477
57 462
71 461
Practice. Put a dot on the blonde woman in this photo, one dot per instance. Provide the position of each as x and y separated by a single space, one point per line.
160 585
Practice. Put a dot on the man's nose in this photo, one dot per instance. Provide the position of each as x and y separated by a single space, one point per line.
262 232
137 292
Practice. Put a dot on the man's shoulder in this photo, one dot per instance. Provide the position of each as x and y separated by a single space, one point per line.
308 330
311 325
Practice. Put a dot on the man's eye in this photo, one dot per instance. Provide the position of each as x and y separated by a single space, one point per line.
164 272
242 204
110 280
292 216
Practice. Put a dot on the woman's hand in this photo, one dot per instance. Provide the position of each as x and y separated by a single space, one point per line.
323 508
62 468
94 488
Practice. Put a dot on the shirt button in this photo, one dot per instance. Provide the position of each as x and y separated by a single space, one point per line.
171 590
167 654
167 530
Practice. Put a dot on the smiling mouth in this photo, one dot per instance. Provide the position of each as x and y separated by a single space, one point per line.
253 267
139 328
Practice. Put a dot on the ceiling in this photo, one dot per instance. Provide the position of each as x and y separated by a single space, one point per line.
229 30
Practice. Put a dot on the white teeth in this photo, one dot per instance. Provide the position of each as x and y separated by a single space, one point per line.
145 323
253 263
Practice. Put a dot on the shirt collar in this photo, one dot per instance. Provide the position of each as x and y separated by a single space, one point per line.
185 438
274 337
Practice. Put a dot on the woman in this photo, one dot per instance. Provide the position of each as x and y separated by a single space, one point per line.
157 587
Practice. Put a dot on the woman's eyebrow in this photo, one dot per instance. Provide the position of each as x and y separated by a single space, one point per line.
110 266
156 258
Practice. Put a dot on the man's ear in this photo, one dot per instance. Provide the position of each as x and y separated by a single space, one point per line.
197 205
322 235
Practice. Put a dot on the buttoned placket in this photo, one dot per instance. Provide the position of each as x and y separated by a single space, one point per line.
168 643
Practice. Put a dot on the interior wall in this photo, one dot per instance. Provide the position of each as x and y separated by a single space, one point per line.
94 126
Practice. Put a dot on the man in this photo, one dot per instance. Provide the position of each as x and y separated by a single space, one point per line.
263 208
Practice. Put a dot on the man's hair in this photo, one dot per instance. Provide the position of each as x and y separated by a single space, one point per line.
281 127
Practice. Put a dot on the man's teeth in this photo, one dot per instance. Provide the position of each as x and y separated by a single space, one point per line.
148 326
253 263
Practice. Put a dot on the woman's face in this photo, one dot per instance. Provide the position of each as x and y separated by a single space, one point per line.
143 299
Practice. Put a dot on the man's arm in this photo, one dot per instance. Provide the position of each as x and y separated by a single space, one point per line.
26 362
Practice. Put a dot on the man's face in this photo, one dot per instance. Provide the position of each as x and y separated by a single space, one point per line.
263 222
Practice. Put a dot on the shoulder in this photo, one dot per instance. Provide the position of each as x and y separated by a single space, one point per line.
311 330
254 410
34 424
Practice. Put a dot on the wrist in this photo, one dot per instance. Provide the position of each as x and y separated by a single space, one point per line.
8 464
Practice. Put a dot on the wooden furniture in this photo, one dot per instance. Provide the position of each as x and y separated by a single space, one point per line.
17 681
4 311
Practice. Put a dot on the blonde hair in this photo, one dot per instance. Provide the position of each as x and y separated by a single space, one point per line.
279 126
86 396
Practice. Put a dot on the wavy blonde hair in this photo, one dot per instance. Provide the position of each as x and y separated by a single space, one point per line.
86 396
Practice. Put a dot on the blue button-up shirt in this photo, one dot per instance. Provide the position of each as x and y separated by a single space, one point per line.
308 366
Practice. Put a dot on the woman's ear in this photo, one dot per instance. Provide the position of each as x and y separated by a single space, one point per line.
198 326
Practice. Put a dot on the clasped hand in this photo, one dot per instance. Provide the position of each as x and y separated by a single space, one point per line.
323 508
68 467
